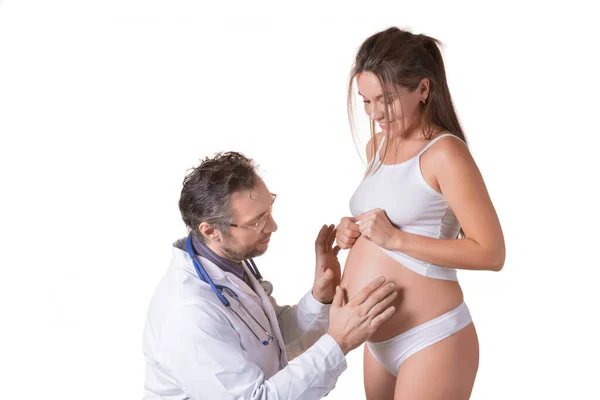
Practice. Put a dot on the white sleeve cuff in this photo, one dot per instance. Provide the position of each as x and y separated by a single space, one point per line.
312 305
334 353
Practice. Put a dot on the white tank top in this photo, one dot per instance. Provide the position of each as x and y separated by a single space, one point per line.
411 205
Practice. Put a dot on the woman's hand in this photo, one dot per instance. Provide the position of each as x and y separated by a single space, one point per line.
347 232
375 226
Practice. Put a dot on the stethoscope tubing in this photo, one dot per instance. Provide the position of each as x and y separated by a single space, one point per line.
218 289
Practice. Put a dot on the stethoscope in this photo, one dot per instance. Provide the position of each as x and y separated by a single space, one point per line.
219 289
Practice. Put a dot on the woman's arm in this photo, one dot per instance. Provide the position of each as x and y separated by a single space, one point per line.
458 178
347 230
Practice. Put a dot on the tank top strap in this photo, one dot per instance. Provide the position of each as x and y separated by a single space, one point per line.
376 160
379 149
431 142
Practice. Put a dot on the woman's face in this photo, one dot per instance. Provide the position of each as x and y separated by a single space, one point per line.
404 106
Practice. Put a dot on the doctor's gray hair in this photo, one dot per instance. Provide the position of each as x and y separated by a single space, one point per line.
207 190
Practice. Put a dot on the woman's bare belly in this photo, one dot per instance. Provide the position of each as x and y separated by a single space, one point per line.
419 300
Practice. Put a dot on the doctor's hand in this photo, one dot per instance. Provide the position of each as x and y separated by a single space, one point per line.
376 226
347 232
352 323
327 270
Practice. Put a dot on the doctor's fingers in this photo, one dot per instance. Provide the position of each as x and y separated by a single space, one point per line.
331 236
381 318
326 277
338 297
377 297
382 305
367 291
322 236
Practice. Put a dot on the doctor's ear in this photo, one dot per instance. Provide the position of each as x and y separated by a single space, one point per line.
209 232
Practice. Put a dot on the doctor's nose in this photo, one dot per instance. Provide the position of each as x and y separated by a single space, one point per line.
271 225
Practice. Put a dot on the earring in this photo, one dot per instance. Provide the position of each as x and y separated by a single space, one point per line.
424 101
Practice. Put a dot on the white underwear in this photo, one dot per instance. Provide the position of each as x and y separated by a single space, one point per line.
391 353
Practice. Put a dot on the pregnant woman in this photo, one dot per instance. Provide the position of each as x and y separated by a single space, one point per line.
421 212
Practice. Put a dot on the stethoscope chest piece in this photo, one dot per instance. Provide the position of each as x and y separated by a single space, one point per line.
267 286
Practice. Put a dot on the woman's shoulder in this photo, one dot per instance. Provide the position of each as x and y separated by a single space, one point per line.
373 144
446 146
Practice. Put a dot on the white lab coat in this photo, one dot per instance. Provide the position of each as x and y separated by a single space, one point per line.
195 348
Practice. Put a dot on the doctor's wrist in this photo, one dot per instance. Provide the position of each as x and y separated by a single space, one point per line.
346 348
322 299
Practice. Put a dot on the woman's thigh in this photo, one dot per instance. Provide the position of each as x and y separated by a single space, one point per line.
445 370
379 383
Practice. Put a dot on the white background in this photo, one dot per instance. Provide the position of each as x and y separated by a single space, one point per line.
104 105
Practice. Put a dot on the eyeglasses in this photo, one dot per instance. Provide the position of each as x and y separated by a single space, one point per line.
262 221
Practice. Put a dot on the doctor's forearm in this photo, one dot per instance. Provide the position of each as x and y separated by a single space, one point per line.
307 316
309 376
317 369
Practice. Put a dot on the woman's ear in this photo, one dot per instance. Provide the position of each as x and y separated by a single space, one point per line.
424 87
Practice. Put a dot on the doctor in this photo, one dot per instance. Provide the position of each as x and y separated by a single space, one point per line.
241 344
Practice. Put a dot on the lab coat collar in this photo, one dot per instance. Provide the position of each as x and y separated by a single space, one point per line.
218 276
